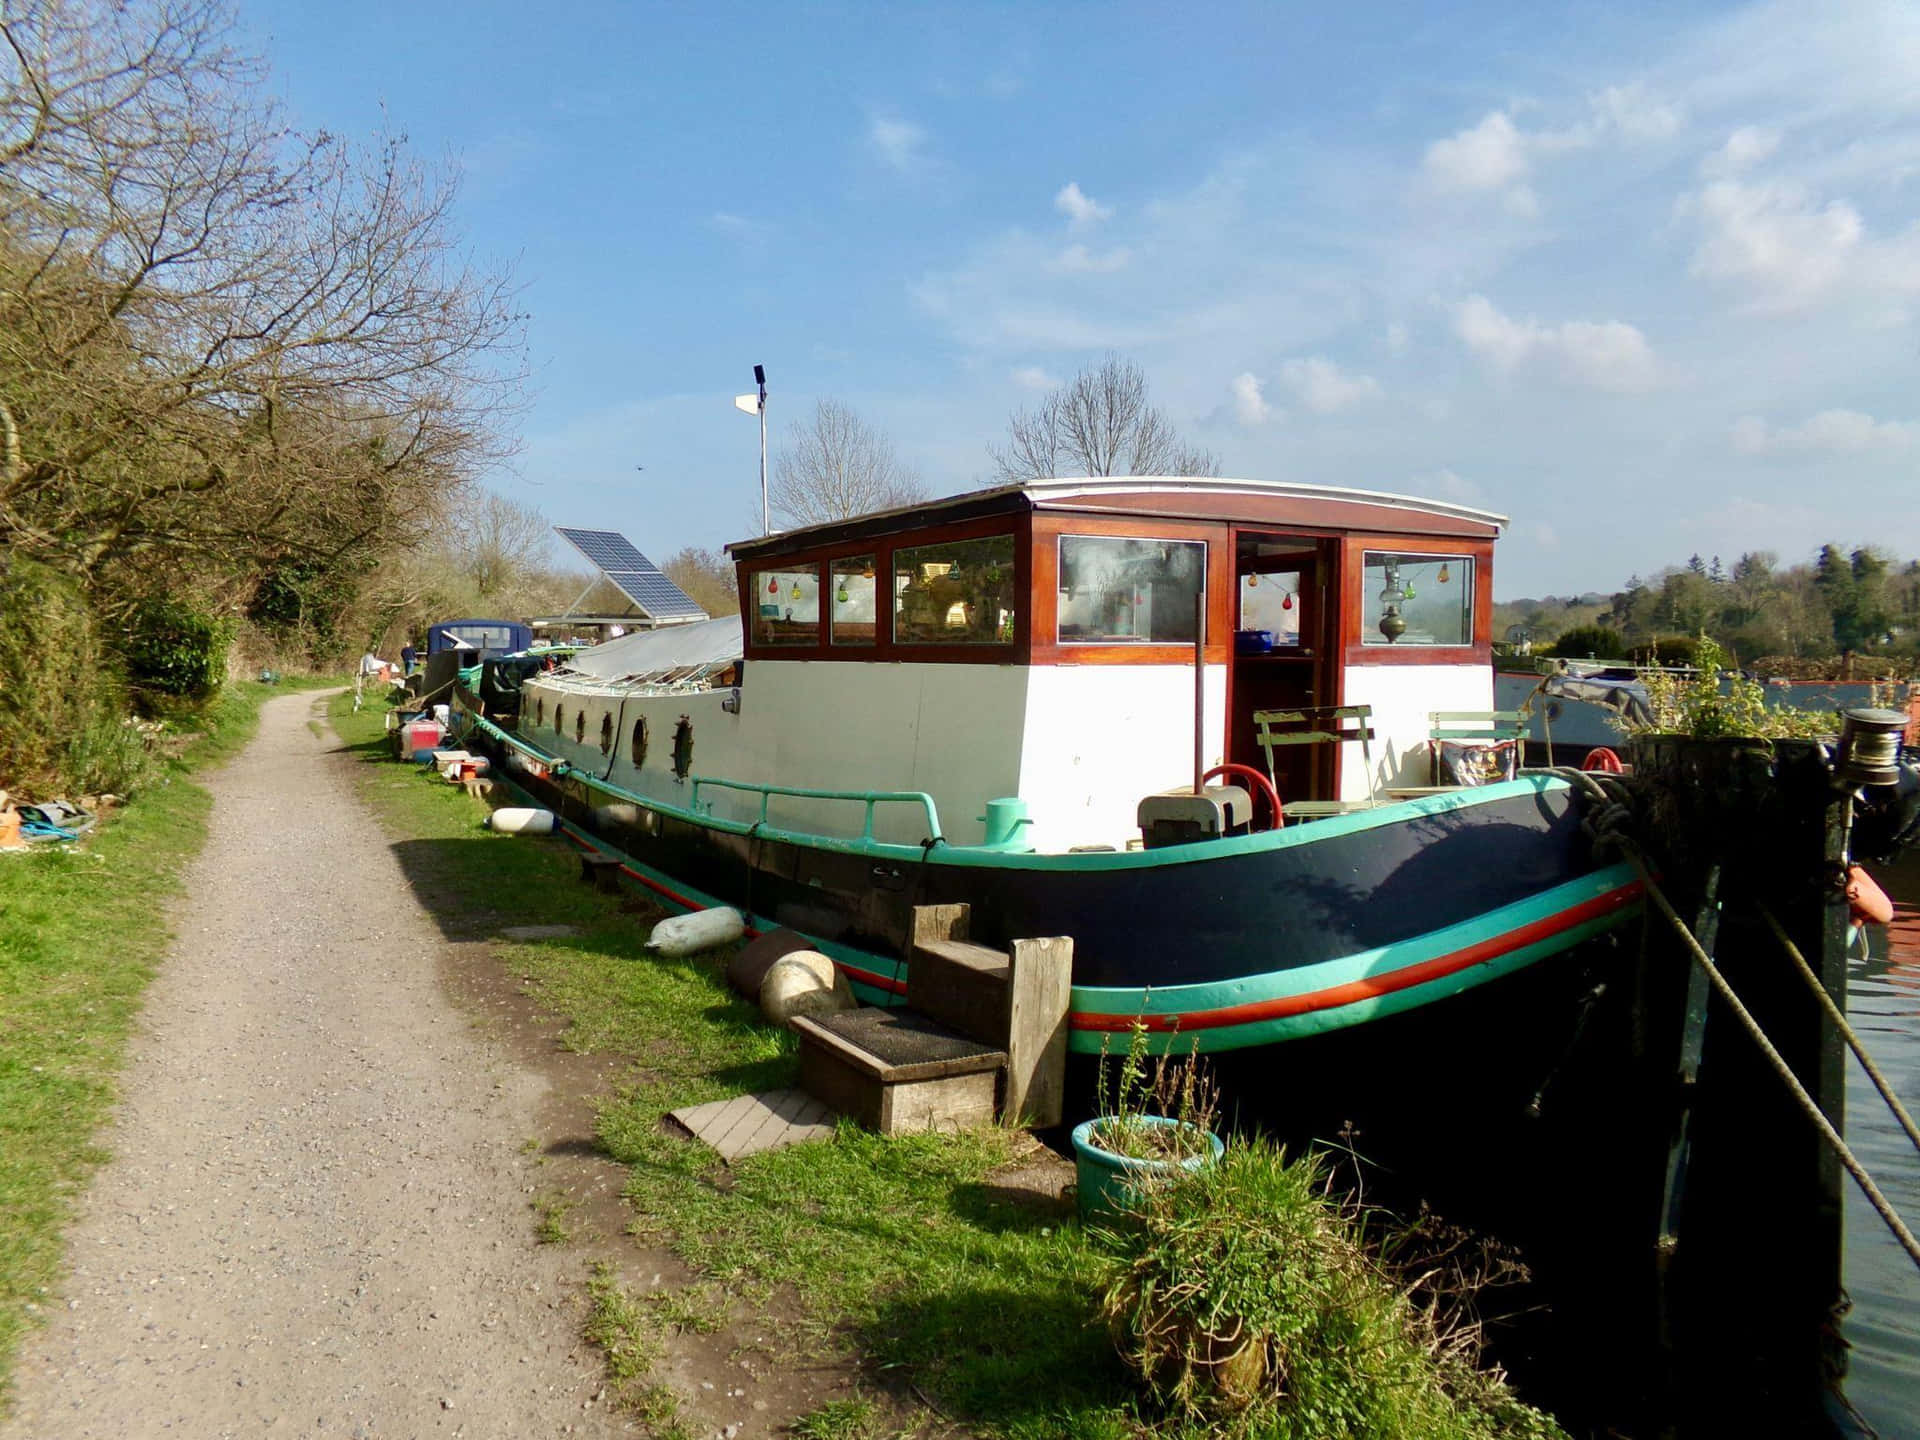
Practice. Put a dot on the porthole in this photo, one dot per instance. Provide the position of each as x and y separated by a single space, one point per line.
540 711
559 719
606 734
639 748
683 748
580 726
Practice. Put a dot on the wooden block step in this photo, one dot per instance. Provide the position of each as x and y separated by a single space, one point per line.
897 1071
600 871
961 985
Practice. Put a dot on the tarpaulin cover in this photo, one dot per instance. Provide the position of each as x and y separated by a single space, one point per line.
660 652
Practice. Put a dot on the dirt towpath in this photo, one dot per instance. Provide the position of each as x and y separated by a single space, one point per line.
315 1220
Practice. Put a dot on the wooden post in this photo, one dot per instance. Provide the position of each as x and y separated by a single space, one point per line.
937 922
1040 987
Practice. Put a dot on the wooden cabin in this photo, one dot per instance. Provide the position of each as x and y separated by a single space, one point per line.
1037 640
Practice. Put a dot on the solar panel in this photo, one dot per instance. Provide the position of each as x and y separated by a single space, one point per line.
638 578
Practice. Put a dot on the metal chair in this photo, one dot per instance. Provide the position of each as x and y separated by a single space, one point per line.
1323 725
1489 727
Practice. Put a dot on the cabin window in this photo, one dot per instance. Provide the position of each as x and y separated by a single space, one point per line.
1115 591
856 593
540 711
1271 601
1409 600
580 727
639 747
959 592
606 734
786 608
559 719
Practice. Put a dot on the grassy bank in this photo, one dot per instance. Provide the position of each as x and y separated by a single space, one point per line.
80 932
915 1255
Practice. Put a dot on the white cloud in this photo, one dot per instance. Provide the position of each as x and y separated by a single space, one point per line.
1606 355
1324 388
1250 406
1745 148
1032 377
1448 485
897 142
1774 240
1831 432
1634 113
1079 207
1080 260
1397 339
1485 157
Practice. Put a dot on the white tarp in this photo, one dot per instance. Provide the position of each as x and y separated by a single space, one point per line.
659 652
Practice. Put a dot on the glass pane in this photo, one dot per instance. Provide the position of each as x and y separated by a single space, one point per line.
1129 592
958 593
855 592
1272 602
1416 600
786 607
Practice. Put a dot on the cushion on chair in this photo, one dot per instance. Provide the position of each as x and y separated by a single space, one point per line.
1469 762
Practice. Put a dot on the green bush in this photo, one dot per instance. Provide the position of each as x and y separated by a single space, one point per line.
1249 1301
1599 642
64 727
175 650
1669 650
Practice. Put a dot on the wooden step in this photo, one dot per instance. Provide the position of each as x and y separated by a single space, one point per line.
896 1071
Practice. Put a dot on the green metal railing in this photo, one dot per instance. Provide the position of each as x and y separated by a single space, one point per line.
869 798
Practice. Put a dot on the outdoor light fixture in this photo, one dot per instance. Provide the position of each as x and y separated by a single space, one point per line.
756 404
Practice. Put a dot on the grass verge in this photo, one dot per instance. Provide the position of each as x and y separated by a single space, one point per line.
905 1251
81 930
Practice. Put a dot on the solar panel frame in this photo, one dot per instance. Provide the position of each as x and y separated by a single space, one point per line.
635 576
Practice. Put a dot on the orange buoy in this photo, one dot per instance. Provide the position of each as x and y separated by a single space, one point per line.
1866 899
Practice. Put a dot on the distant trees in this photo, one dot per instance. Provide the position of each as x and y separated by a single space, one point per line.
836 466
707 576
1101 422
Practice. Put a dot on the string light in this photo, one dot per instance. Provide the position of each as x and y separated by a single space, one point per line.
1444 576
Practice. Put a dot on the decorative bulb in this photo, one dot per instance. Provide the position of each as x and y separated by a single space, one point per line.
773 587
796 589
1252 580
867 574
1406 591
841 595
1444 576
1287 603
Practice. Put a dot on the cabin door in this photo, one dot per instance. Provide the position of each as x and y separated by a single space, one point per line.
1286 647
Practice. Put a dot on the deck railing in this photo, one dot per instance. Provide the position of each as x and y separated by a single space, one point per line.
869 798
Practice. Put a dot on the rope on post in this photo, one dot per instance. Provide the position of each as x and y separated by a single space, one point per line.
1846 1031
1780 1067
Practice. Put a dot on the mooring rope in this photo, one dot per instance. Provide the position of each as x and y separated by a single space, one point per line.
1846 1031
1780 1067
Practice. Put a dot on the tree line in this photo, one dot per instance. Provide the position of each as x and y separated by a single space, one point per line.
1861 604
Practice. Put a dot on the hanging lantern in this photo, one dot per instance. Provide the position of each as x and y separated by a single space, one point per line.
1444 576
773 587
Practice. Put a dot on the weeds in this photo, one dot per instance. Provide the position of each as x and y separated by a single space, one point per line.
854 1419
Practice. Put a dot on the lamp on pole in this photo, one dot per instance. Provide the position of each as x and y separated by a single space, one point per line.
756 404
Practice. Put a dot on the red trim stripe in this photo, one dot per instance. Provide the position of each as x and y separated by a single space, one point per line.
1356 990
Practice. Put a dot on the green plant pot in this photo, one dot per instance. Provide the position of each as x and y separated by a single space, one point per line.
1107 1184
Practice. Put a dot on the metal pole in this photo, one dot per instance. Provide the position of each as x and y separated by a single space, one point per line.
766 522
1199 687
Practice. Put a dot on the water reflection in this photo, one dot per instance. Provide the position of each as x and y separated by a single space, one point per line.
1884 1329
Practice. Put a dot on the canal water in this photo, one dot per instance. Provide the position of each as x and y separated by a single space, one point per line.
1883 1001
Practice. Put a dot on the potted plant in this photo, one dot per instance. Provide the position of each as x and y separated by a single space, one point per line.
1155 1121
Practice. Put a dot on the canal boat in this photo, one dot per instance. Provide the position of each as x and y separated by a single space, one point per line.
1190 722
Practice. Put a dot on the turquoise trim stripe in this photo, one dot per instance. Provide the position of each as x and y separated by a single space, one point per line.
1289 1004
1397 813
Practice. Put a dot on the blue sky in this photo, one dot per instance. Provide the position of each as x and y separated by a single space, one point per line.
1644 277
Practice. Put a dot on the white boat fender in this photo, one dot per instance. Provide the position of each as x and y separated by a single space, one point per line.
520 821
803 983
702 930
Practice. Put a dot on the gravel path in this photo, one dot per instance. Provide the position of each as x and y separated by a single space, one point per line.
315 1221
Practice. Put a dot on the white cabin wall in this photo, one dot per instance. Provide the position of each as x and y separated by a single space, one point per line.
1403 698
1099 738
953 731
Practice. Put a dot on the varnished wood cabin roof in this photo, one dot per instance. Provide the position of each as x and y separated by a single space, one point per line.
1279 503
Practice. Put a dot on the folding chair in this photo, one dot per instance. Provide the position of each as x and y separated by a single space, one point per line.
1323 725
1487 727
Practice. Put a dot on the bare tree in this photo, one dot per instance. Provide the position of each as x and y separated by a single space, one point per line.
498 544
837 466
708 578
222 345
1101 422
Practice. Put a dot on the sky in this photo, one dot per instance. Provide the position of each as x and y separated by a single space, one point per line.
1644 277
